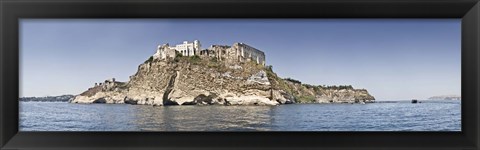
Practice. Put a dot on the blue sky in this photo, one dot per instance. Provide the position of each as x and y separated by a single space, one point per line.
392 58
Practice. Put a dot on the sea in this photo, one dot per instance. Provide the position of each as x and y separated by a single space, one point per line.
429 115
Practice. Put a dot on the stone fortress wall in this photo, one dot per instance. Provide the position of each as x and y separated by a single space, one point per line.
245 52
238 52
165 51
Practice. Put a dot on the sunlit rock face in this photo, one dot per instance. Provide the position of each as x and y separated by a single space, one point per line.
288 90
207 81
185 81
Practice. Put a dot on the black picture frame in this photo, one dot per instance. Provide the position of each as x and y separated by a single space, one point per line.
12 10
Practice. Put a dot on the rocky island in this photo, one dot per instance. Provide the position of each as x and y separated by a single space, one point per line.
185 74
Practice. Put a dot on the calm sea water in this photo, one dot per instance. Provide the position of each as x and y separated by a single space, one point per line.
382 116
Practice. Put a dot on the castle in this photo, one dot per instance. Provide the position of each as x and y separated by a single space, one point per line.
238 52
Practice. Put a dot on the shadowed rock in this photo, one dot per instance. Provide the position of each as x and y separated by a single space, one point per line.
100 100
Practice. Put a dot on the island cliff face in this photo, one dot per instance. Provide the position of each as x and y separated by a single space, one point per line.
196 81
204 80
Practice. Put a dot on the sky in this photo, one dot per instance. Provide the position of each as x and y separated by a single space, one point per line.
394 59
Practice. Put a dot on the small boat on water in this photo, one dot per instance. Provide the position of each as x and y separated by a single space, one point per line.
414 101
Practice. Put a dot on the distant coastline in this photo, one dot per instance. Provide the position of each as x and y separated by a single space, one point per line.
445 97
61 98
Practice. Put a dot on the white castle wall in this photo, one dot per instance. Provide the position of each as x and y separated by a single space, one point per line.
188 49
239 52
249 53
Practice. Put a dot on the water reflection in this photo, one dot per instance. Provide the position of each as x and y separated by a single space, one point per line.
205 118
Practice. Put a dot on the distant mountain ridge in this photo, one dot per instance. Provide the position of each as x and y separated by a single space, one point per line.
446 97
61 98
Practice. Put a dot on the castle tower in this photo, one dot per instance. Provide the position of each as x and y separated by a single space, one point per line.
158 53
196 46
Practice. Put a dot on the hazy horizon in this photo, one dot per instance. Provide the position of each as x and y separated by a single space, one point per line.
394 59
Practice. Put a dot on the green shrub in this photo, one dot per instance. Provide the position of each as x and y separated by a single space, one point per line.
149 59
213 63
340 87
195 59
309 86
293 80
178 55
269 68
305 98
213 59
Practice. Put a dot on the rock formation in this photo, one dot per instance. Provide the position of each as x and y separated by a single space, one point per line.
194 81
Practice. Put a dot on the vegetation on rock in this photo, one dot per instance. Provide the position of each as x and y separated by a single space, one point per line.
149 59
293 80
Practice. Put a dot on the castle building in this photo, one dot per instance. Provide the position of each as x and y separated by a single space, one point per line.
188 49
164 51
238 52
245 53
